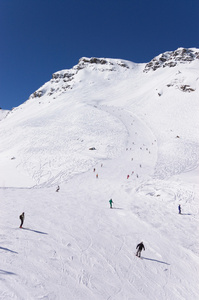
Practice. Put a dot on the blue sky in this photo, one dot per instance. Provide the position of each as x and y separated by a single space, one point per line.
40 37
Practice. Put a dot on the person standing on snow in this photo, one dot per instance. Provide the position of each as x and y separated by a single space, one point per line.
21 217
179 209
139 249
111 202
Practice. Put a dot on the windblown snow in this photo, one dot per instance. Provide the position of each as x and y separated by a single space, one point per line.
107 128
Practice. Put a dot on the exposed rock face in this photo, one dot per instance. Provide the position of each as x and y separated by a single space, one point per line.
183 87
172 58
101 61
37 94
93 60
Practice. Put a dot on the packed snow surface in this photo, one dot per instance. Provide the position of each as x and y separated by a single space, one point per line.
104 129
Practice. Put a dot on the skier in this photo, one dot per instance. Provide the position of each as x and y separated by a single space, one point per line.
179 209
58 188
111 202
139 249
21 217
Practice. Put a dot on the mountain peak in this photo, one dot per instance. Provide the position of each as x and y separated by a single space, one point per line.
85 61
172 58
65 79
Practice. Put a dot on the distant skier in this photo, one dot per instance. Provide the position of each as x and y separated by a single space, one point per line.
139 249
21 217
179 209
111 203
96 175
58 188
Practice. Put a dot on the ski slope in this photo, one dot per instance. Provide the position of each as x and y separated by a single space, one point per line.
73 246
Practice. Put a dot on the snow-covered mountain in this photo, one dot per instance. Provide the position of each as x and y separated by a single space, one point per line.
142 122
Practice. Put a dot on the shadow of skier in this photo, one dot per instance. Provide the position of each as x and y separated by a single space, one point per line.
6 249
186 214
117 208
40 232
155 260
6 272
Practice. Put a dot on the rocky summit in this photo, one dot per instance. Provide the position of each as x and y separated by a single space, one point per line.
172 58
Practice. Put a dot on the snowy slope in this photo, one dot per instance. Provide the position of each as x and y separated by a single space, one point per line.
142 120
3 113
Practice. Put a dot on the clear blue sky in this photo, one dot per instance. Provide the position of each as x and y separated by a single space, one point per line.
40 37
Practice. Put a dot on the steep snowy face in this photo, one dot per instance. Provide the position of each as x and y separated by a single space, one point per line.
67 79
172 58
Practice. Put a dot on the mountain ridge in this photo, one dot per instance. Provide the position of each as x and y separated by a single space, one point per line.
169 59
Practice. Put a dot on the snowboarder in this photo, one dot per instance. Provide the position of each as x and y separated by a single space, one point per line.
179 209
58 188
139 249
21 217
111 203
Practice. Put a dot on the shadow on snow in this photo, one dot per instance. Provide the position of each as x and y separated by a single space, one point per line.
116 208
185 214
6 249
6 272
161 262
40 232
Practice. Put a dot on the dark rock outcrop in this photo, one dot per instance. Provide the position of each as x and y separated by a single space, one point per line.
171 59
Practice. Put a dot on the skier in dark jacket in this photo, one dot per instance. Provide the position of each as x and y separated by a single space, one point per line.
111 203
21 217
139 249
179 209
